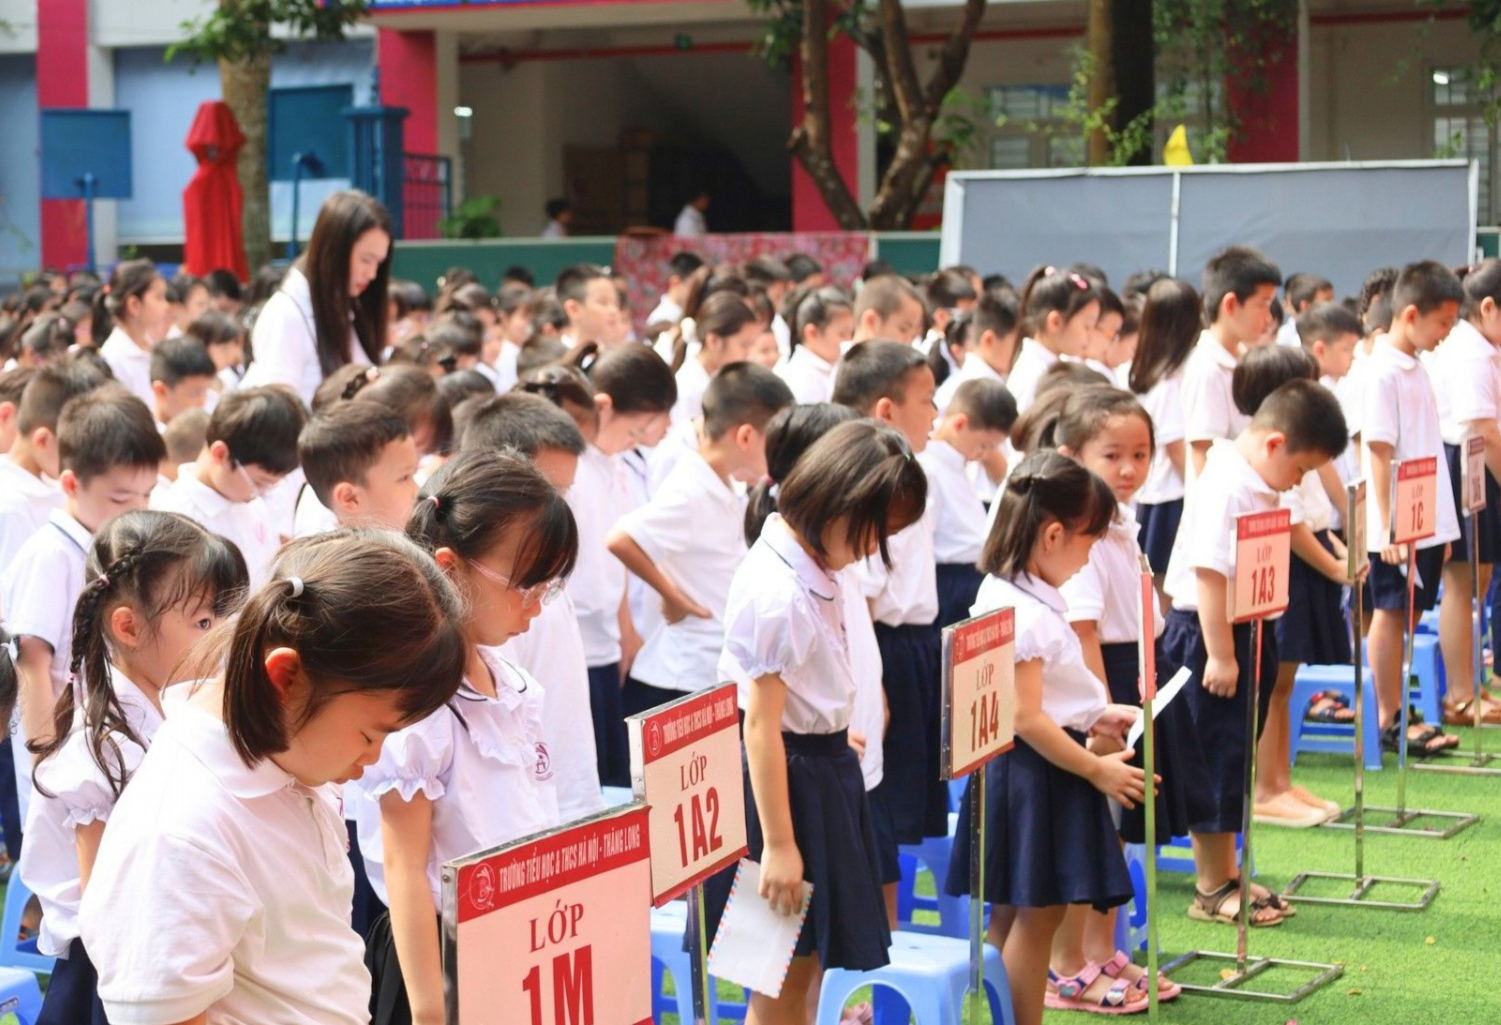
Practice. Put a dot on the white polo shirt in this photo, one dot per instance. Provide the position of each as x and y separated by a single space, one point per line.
489 777
1399 408
1309 503
1466 374
247 524
693 529
81 794
692 381
785 615
867 670
974 369
906 593
1030 364
1206 537
959 517
25 504
1209 410
598 498
223 888
312 516
1107 591
130 364
1164 404
1072 696
809 375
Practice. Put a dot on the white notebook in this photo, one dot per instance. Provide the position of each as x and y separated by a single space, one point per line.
754 944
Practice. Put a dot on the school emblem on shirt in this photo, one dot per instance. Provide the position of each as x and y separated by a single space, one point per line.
483 893
544 764
654 739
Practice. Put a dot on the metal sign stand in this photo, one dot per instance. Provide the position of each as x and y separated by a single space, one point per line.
1147 666
1359 559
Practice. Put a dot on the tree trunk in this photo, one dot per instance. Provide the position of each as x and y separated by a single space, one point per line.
245 85
811 143
1133 52
1100 34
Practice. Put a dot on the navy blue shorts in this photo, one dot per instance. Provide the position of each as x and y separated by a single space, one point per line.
1386 587
1488 519
1159 528
607 707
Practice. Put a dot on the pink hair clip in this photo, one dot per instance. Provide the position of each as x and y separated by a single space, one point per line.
1076 279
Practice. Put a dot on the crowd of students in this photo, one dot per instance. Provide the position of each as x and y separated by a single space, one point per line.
311 589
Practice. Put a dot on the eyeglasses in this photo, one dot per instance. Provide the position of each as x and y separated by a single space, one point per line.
538 594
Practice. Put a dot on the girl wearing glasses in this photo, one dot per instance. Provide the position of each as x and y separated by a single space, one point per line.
476 773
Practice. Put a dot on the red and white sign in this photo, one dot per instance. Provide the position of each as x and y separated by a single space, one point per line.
1474 471
554 929
1415 500
979 705
1263 549
685 762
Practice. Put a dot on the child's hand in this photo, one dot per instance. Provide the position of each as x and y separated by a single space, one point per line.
1116 721
1394 555
857 743
782 878
679 606
1221 676
1114 778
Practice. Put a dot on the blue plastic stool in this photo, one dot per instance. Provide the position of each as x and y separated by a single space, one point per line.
668 926
1175 856
19 995
1426 688
1328 737
1131 920
930 973
1428 622
932 854
14 954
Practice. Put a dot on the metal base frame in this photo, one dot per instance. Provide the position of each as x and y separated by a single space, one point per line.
1402 818
1363 886
1462 763
1234 986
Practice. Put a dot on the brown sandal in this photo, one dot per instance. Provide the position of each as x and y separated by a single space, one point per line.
1210 907
1462 713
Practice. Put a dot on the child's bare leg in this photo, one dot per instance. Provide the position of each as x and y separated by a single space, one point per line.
1454 631
791 1007
1028 945
1001 920
1214 865
1273 776
1385 645
1098 931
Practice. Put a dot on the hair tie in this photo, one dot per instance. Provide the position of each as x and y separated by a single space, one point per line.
774 491
297 587
1049 270
1076 279
104 579
437 503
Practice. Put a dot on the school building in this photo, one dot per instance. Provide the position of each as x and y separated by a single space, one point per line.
627 107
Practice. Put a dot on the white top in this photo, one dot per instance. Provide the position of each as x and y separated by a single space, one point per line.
1287 331
690 223
1209 410
247 524
974 369
809 375
693 381
867 670
666 310
1309 503
959 517
130 364
285 340
1107 591
1466 372
25 504
782 332
679 440
1399 408
312 517
906 593
1032 361
504 372
693 529
1206 537
786 616
554 229
598 498
1164 404
1072 696
553 652
489 777
81 794
224 888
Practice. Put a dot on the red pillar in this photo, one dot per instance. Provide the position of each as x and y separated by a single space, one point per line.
809 211
1268 116
62 79
409 78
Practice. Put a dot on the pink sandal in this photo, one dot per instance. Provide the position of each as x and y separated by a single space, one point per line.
1167 989
1066 993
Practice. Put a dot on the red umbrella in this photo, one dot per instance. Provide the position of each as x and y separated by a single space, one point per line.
212 203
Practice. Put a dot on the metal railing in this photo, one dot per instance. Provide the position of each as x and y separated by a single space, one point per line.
427 194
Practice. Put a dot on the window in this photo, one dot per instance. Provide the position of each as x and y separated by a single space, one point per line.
1033 133
1460 130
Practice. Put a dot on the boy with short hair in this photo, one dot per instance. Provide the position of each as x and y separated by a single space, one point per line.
1296 429
670 309
1301 292
361 464
889 307
182 373
1400 421
1239 286
591 304
184 438
1329 333
13 384
251 444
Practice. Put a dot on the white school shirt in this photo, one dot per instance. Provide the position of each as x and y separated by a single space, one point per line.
1031 363
693 529
809 375
1466 373
1208 408
666 311
906 593
223 888
25 504
1287 331
782 332
130 364
958 513
1072 695
867 670
247 524
974 369
489 778
598 498
679 440
312 516
1399 408
693 381
690 223
553 652
1164 404
285 340
1309 503
505 371
1107 591
786 616
81 794
1206 537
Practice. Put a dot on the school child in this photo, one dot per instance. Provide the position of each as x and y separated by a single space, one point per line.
764 348
1045 855
1400 420
1239 288
1300 293
889 307
725 327
1296 429
949 293
410 310
12 386
409 392
182 374
45 341
361 464
156 584
224 338
132 311
807 814
590 304
222 890
251 446
478 773
669 310
1122 349
979 417
184 437
1170 324
821 319
1107 330
1060 310
514 306
987 337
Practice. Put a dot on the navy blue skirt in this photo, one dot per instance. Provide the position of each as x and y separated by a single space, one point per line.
1488 519
1181 797
1049 838
73 991
958 586
607 707
1313 630
1220 723
1159 529
846 925
914 796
